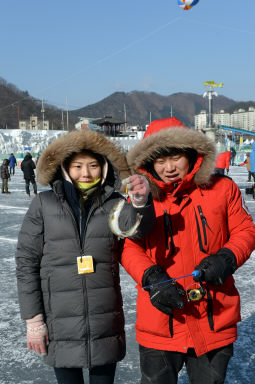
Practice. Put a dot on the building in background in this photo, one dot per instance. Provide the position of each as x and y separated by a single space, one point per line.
34 124
201 120
238 119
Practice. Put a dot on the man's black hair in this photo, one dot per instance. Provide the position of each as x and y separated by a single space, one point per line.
190 153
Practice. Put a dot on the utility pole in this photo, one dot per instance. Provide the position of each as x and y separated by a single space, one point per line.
125 118
67 122
42 110
210 95
171 112
62 120
18 111
150 116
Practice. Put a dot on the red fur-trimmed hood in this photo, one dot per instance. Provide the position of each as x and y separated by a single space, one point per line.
174 137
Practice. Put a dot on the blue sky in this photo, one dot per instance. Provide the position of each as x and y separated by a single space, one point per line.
86 50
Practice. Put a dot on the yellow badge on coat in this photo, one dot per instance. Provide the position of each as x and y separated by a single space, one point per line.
85 264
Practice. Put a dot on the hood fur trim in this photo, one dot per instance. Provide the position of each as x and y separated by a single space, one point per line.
74 142
176 137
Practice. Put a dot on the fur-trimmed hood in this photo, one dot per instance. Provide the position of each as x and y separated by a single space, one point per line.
175 137
74 142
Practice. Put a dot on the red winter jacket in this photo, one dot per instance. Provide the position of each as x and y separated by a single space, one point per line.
207 214
223 160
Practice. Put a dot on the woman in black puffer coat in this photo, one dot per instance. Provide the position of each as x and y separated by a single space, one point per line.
27 167
68 257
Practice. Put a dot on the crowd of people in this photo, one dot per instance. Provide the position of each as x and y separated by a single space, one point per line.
182 233
27 167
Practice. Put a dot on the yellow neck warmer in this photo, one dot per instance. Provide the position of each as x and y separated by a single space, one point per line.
86 186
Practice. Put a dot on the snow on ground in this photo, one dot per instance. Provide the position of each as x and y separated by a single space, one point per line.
20 366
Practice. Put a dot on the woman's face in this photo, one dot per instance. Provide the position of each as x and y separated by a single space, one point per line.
171 168
84 169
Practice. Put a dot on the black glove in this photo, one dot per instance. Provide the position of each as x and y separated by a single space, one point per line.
216 268
163 296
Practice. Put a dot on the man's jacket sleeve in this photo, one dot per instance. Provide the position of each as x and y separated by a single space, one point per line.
240 225
129 215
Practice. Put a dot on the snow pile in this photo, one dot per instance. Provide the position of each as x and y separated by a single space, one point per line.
19 141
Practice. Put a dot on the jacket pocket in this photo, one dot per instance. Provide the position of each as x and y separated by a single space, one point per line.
226 306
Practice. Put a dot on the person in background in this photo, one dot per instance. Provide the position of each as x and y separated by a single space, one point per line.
68 257
247 162
27 167
13 163
5 175
222 163
252 160
203 234
233 156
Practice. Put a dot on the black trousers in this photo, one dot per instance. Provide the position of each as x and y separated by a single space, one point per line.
162 367
103 374
12 170
32 180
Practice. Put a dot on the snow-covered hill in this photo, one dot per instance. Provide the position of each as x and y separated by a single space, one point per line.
19 141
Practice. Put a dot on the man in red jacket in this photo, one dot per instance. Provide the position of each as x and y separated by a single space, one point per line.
222 163
202 226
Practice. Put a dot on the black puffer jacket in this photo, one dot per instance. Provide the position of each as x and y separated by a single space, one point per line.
5 174
28 166
83 313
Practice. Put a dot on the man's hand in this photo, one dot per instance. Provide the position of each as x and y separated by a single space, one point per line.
138 190
37 335
216 268
164 294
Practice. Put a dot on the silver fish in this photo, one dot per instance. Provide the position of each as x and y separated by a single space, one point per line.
114 221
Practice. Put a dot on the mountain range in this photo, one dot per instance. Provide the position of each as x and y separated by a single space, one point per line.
141 107
137 107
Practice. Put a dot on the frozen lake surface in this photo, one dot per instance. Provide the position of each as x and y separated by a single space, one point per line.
20 366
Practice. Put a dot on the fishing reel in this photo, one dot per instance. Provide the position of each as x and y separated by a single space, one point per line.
195 294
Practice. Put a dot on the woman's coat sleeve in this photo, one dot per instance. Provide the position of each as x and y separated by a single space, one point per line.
28 260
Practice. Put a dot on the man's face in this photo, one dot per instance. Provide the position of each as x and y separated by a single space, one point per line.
171 168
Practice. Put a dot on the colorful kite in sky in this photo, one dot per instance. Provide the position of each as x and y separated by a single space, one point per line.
187 4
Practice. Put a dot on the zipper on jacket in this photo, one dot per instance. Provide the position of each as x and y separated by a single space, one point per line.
204 222
199 234
168 229
84 287
85 299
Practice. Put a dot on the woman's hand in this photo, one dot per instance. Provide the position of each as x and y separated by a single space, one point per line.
37 335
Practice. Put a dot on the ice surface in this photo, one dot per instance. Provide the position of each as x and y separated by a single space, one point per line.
20 366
